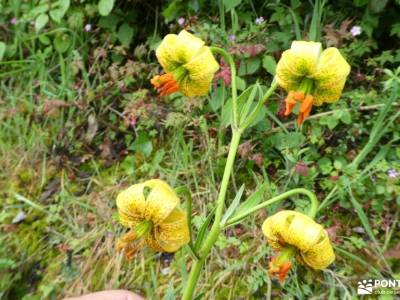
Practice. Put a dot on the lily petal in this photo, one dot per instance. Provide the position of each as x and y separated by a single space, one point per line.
176 50
320 255
200 73
133 206
173 232
330 76
299 61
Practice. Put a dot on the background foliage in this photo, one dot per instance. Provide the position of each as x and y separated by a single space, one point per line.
79 122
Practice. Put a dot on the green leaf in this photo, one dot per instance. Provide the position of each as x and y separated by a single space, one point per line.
360 3
62 42
345 117
231 4
240 84
269 64
105 7
142 144
232 207
41 21
253 200
128 165
291 140
2 50
125 34
203 229
217 97
59 9
226 118
249 66
249 94
330 121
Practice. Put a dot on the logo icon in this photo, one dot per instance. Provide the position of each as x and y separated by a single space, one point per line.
365 287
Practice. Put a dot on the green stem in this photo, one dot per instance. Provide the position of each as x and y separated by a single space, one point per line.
216 227
260 104
229 59
222 14
311 196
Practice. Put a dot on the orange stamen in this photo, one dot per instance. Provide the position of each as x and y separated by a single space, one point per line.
290 103
165 84
298 96
128 245
305 109
279 271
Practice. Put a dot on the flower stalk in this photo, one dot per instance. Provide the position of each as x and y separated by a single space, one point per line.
236 135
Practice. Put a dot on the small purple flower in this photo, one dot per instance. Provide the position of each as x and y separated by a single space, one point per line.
392 173
373 178
13 21
88 27
355 31
260 20
232 37
181 21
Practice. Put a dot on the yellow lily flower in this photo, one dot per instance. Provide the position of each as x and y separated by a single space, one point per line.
189 65
311 76
295 234
151 211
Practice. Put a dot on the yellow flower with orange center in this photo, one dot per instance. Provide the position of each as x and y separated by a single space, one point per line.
295 234
151 211
311 76
189 65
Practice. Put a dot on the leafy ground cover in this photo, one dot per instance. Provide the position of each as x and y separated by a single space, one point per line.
80 121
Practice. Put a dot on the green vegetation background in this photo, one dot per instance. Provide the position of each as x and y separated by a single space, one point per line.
79 121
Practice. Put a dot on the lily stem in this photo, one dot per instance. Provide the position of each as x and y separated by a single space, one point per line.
216 227
229 59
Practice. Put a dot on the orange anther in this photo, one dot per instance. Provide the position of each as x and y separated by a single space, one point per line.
165 84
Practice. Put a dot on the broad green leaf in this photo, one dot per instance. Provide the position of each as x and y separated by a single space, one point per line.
2 50
41 21
249 66
231 4
62 42
330 121
232 207
345 117
269 64
142 144
125 34
105 7
217 97
59 9
240 84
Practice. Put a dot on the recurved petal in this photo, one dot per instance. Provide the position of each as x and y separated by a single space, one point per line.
176 50
302 232
173 232
274 225
330 76
320 255
133 206
296 63
202 63
200 73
